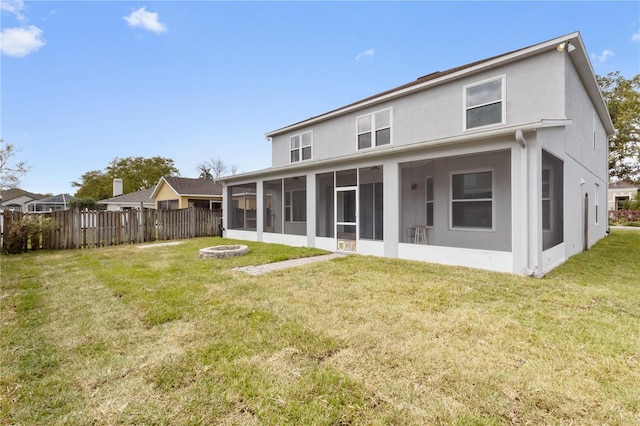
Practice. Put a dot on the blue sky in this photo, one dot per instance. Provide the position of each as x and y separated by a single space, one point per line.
85 82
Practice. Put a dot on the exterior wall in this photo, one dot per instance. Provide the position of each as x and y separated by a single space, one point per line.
166 193
438 111
442 234
20 201
630 193
586 165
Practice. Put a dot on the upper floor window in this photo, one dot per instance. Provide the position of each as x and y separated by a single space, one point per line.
374 129
484 103
301 146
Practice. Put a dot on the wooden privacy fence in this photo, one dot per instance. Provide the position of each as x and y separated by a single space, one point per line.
82 229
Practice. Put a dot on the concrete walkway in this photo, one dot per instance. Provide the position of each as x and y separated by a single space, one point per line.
269 267
636 228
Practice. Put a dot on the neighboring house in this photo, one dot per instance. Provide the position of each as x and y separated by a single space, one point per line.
51 204
173 192
131 201
17 199
619 192
500 164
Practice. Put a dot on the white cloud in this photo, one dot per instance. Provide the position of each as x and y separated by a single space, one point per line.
606 54
20 42
15 7
636 36
367 53
146 20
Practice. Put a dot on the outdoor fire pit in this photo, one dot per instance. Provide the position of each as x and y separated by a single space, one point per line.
221 252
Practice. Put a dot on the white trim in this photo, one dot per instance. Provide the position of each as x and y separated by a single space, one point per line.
503 102
426 200
493 195
374 129
300 147
498 261
371 155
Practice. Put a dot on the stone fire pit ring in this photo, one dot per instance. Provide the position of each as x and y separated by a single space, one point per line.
221 252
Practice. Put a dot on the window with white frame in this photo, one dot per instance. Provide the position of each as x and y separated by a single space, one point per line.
374 129
429 201
547 187
484 103
472 200
295 206
301 146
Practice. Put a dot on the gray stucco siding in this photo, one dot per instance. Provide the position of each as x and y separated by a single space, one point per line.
438 111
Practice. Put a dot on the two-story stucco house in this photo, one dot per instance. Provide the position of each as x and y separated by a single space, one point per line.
499 164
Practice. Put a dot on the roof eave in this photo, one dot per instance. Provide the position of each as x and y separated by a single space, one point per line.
483 65
395 149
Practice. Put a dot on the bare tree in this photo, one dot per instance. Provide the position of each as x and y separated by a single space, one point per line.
10 174
215 169
205 171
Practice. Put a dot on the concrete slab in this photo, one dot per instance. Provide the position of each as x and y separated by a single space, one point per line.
146 246
291 263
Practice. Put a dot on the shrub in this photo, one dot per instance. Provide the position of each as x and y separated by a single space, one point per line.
28 228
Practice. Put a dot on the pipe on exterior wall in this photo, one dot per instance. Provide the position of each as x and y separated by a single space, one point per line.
520 138
523 143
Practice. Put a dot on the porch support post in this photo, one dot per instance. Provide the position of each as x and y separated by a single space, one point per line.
311 210
391 194
519 200
226 196
534 207
259 209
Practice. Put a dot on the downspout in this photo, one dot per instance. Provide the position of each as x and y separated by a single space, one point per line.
525 153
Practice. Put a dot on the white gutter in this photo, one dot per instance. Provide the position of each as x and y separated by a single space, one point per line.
524 161
400 149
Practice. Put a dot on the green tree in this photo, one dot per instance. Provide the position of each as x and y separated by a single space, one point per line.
623 100
137 173
10 171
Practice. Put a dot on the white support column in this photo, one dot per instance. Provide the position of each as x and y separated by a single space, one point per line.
225 206
259 209
391 191
534 206
519 200
311 210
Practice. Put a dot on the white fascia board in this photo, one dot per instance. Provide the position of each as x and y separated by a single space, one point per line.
502 60
291 170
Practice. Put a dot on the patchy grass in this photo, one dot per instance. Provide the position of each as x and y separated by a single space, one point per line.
159 336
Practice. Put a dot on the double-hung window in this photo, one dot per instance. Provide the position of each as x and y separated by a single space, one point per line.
295 206
374 129
484 103
472 200
301 146
429 202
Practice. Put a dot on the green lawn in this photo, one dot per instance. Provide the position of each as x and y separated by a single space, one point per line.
158 336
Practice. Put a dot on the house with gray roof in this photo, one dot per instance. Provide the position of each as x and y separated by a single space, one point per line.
52 204
499 164
17 199
174 192
131 201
